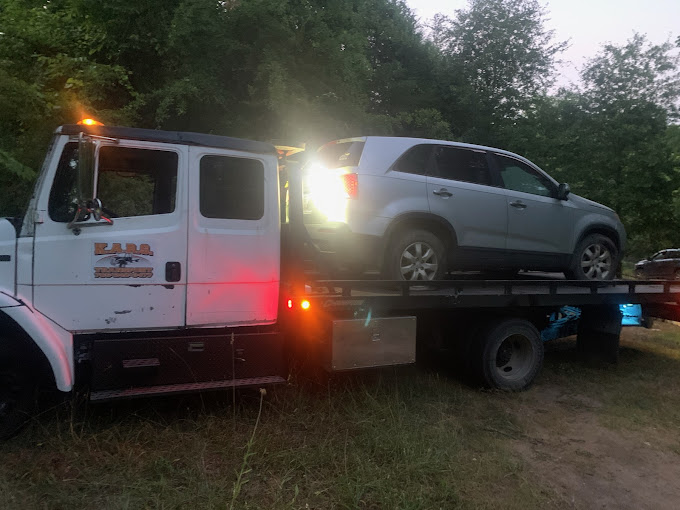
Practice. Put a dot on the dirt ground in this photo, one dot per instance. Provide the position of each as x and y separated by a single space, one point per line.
592 466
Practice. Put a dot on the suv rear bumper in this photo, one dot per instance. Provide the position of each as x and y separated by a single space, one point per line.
345 249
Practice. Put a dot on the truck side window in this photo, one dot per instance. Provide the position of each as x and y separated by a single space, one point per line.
231 188
136 182
61 205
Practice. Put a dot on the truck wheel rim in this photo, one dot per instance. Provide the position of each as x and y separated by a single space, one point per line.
418 262
596 262
514 358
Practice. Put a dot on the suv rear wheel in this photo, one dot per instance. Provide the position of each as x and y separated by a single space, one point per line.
595 258
416 255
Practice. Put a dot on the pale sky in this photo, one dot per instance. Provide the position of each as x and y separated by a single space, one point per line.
587 23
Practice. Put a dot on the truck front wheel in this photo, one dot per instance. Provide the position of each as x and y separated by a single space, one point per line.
508 354
17 396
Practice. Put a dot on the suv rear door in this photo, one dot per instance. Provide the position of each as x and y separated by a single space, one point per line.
463 190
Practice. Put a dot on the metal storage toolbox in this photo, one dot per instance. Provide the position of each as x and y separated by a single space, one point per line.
360 343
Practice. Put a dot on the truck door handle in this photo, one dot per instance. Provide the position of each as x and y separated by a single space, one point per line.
442 193
518 204
173 271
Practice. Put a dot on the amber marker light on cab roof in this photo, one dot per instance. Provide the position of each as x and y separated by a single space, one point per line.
304 304
90 122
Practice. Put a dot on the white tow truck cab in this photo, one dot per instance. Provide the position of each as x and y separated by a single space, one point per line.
146 259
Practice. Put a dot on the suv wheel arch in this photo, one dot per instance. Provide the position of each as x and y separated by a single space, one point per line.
419 221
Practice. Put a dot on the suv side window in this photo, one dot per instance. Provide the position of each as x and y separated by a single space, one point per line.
231 188
136 182
416 160
517 176
461 164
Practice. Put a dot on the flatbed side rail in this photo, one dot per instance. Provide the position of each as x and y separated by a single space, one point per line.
489 293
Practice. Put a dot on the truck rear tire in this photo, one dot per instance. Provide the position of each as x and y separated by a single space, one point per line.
17 396
508 354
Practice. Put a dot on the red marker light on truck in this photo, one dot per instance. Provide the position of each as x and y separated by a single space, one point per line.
290 303
351 184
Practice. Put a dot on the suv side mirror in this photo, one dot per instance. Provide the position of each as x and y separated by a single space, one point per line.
563 191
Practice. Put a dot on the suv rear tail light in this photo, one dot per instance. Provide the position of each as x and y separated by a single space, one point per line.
351 184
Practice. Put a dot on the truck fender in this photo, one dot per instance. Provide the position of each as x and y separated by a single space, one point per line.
55 342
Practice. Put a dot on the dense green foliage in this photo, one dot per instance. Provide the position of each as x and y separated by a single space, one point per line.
316 70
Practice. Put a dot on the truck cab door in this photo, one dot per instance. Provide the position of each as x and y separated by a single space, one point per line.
127 275
234 238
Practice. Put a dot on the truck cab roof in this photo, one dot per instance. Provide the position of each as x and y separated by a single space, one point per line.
180 137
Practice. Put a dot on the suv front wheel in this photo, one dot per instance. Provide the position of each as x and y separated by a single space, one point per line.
416 255
595 258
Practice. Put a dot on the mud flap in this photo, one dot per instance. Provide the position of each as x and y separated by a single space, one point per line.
599 331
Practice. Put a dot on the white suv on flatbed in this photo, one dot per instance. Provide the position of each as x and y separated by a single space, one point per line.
417 208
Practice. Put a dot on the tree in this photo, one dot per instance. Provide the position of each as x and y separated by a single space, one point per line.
313 70
500 57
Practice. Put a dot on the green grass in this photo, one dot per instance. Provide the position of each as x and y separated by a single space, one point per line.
398 438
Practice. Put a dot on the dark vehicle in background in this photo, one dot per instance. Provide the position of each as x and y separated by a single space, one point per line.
663 264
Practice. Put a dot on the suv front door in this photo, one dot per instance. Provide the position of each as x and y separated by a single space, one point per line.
539 225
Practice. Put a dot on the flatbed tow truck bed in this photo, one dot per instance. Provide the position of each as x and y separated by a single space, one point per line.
493 327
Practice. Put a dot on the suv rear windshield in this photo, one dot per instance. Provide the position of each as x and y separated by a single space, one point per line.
337 155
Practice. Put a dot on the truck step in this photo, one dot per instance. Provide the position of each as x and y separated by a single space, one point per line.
169 389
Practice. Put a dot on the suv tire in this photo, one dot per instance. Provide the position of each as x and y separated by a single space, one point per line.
595 258
416 255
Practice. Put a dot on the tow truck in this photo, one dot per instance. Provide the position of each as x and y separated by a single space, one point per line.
153 262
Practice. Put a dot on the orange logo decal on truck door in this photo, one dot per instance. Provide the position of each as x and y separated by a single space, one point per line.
117 261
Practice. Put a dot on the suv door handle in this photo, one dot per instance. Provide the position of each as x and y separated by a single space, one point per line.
518 204
442 193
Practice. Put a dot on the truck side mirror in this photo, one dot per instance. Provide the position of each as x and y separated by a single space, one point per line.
86 159
88 207
563 191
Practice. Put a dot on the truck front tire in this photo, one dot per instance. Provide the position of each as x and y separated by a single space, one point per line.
17 396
